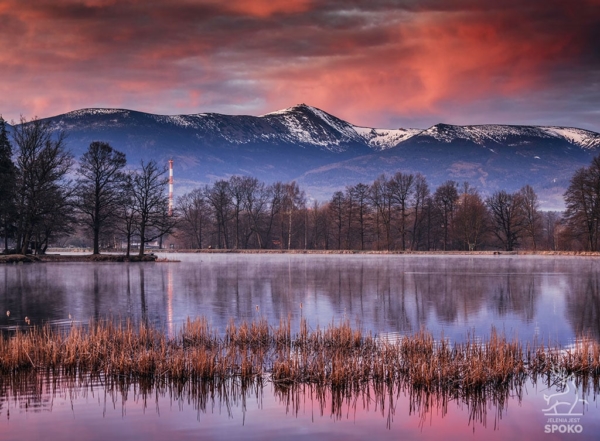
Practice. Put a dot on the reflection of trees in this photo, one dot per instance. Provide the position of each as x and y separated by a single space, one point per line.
385 292
516 294
583 304
451 295
40 391
30 291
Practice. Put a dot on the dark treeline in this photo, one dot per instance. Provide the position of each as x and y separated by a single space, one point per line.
45 199
397 212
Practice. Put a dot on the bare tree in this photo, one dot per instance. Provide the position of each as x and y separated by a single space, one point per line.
276 196
421 193
350 209
360 196
128 219
432 223
401 187
193 212
337 212
551 221
532 218
319 222
445 197
151 203
255 204
236 188
99 187
582 199
294 199
507 217
56 223
43 162
219 198
382 202
470 219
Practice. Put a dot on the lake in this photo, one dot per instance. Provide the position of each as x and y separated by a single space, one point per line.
536 298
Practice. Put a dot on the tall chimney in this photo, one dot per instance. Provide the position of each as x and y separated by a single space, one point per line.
170 187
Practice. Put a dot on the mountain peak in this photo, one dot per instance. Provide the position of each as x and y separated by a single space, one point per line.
302 108
96 111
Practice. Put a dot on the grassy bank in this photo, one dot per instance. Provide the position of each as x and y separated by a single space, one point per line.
339 357
370 252
57 257
17 258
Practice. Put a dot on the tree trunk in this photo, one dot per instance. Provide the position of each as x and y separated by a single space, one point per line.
142 239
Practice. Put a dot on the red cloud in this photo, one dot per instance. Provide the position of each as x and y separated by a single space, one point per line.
368 61
266 8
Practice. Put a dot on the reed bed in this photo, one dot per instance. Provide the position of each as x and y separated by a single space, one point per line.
338 356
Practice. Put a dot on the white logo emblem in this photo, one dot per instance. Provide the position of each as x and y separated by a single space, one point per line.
560 404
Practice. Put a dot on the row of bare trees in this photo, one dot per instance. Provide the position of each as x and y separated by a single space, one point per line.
243 212
43 196
396 212
582 200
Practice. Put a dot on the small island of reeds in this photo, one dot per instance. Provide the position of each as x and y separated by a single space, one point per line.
338 356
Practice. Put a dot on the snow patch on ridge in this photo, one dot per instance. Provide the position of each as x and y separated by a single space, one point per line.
483 134
480 134
583 138
87 112
382 139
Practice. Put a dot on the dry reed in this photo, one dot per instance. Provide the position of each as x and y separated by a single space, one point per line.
339 357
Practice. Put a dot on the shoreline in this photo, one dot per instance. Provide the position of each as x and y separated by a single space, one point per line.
394 252
20 258
82 255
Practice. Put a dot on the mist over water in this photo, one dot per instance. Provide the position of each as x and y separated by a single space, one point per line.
534 298
550 299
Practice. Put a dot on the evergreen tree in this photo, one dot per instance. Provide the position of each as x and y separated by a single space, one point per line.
7 184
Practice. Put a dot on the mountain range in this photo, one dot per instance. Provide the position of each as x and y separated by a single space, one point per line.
324 153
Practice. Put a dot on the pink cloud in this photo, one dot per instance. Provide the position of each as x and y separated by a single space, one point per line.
369 62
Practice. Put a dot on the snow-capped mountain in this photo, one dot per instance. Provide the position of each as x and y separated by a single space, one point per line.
308 126
326 153
489 135
300 125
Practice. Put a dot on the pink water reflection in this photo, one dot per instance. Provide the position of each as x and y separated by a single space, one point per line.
91 412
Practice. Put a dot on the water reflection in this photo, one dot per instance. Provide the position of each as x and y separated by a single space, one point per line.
583 304
65 407
550 297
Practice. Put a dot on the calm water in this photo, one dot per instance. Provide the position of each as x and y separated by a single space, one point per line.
544 298
549 297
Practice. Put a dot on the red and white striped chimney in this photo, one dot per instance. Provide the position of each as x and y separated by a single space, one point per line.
170 187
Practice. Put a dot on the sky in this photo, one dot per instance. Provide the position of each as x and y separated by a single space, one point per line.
376 63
